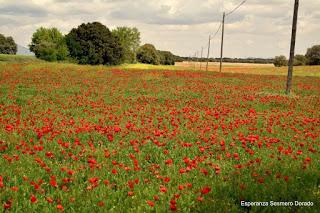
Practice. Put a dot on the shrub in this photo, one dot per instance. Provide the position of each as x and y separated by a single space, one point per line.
313 55
166 58
280 61
299 60
7 45
148 54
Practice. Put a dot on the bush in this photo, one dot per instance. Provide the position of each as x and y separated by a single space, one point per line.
7 45
166 58
299 60
93 43
148 54
313 55
280 61
49 44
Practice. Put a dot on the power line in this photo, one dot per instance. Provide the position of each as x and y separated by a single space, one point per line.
222 33
236 8
212 37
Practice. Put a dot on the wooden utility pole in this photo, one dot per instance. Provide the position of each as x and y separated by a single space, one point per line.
201 58
292 47
195 60
208 53
222 36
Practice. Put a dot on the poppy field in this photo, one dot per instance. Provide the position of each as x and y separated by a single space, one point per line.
98 139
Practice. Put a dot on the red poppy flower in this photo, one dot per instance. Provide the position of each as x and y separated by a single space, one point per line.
60 207
150 203
33 199
205 190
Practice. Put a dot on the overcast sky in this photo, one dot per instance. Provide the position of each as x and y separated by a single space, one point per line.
260 28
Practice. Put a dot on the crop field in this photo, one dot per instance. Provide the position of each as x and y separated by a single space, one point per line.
257 69
98 139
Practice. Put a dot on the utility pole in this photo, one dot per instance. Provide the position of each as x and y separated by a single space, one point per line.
292 47
201 58
222 36
208 53
195 60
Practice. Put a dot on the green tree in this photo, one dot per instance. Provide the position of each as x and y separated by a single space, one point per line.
280 61
93 43
299 60
166 58
148 54
313 55
49 44
130 41
7 45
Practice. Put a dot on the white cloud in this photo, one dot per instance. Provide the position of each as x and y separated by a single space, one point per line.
259 28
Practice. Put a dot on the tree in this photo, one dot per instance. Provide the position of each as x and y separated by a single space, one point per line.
148 54
166 58
7 45
280 61
130 41
313 55
299 60
93 43
49 44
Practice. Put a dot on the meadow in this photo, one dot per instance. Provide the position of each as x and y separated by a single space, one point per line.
139 138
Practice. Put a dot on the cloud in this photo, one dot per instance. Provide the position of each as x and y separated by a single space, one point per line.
168 13
22 9
258 28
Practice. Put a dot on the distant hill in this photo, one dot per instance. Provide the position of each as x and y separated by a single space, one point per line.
23 51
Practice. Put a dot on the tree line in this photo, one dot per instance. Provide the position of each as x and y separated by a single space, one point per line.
93 43
312 57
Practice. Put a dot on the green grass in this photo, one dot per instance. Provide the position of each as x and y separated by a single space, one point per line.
311 71
65 102
17 59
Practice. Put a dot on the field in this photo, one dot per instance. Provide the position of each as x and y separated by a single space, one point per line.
257 69
5 59
141 139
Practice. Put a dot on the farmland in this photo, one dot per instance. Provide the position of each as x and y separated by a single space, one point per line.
130 139
257 69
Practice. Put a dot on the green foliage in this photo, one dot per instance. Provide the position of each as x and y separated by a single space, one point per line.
313 55
49 44
93 43
299 60
129 39
7 45
148 54
166 58
280 61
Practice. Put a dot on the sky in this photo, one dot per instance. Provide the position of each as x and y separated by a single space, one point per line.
260 28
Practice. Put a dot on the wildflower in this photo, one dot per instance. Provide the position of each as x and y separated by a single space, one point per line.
205 190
